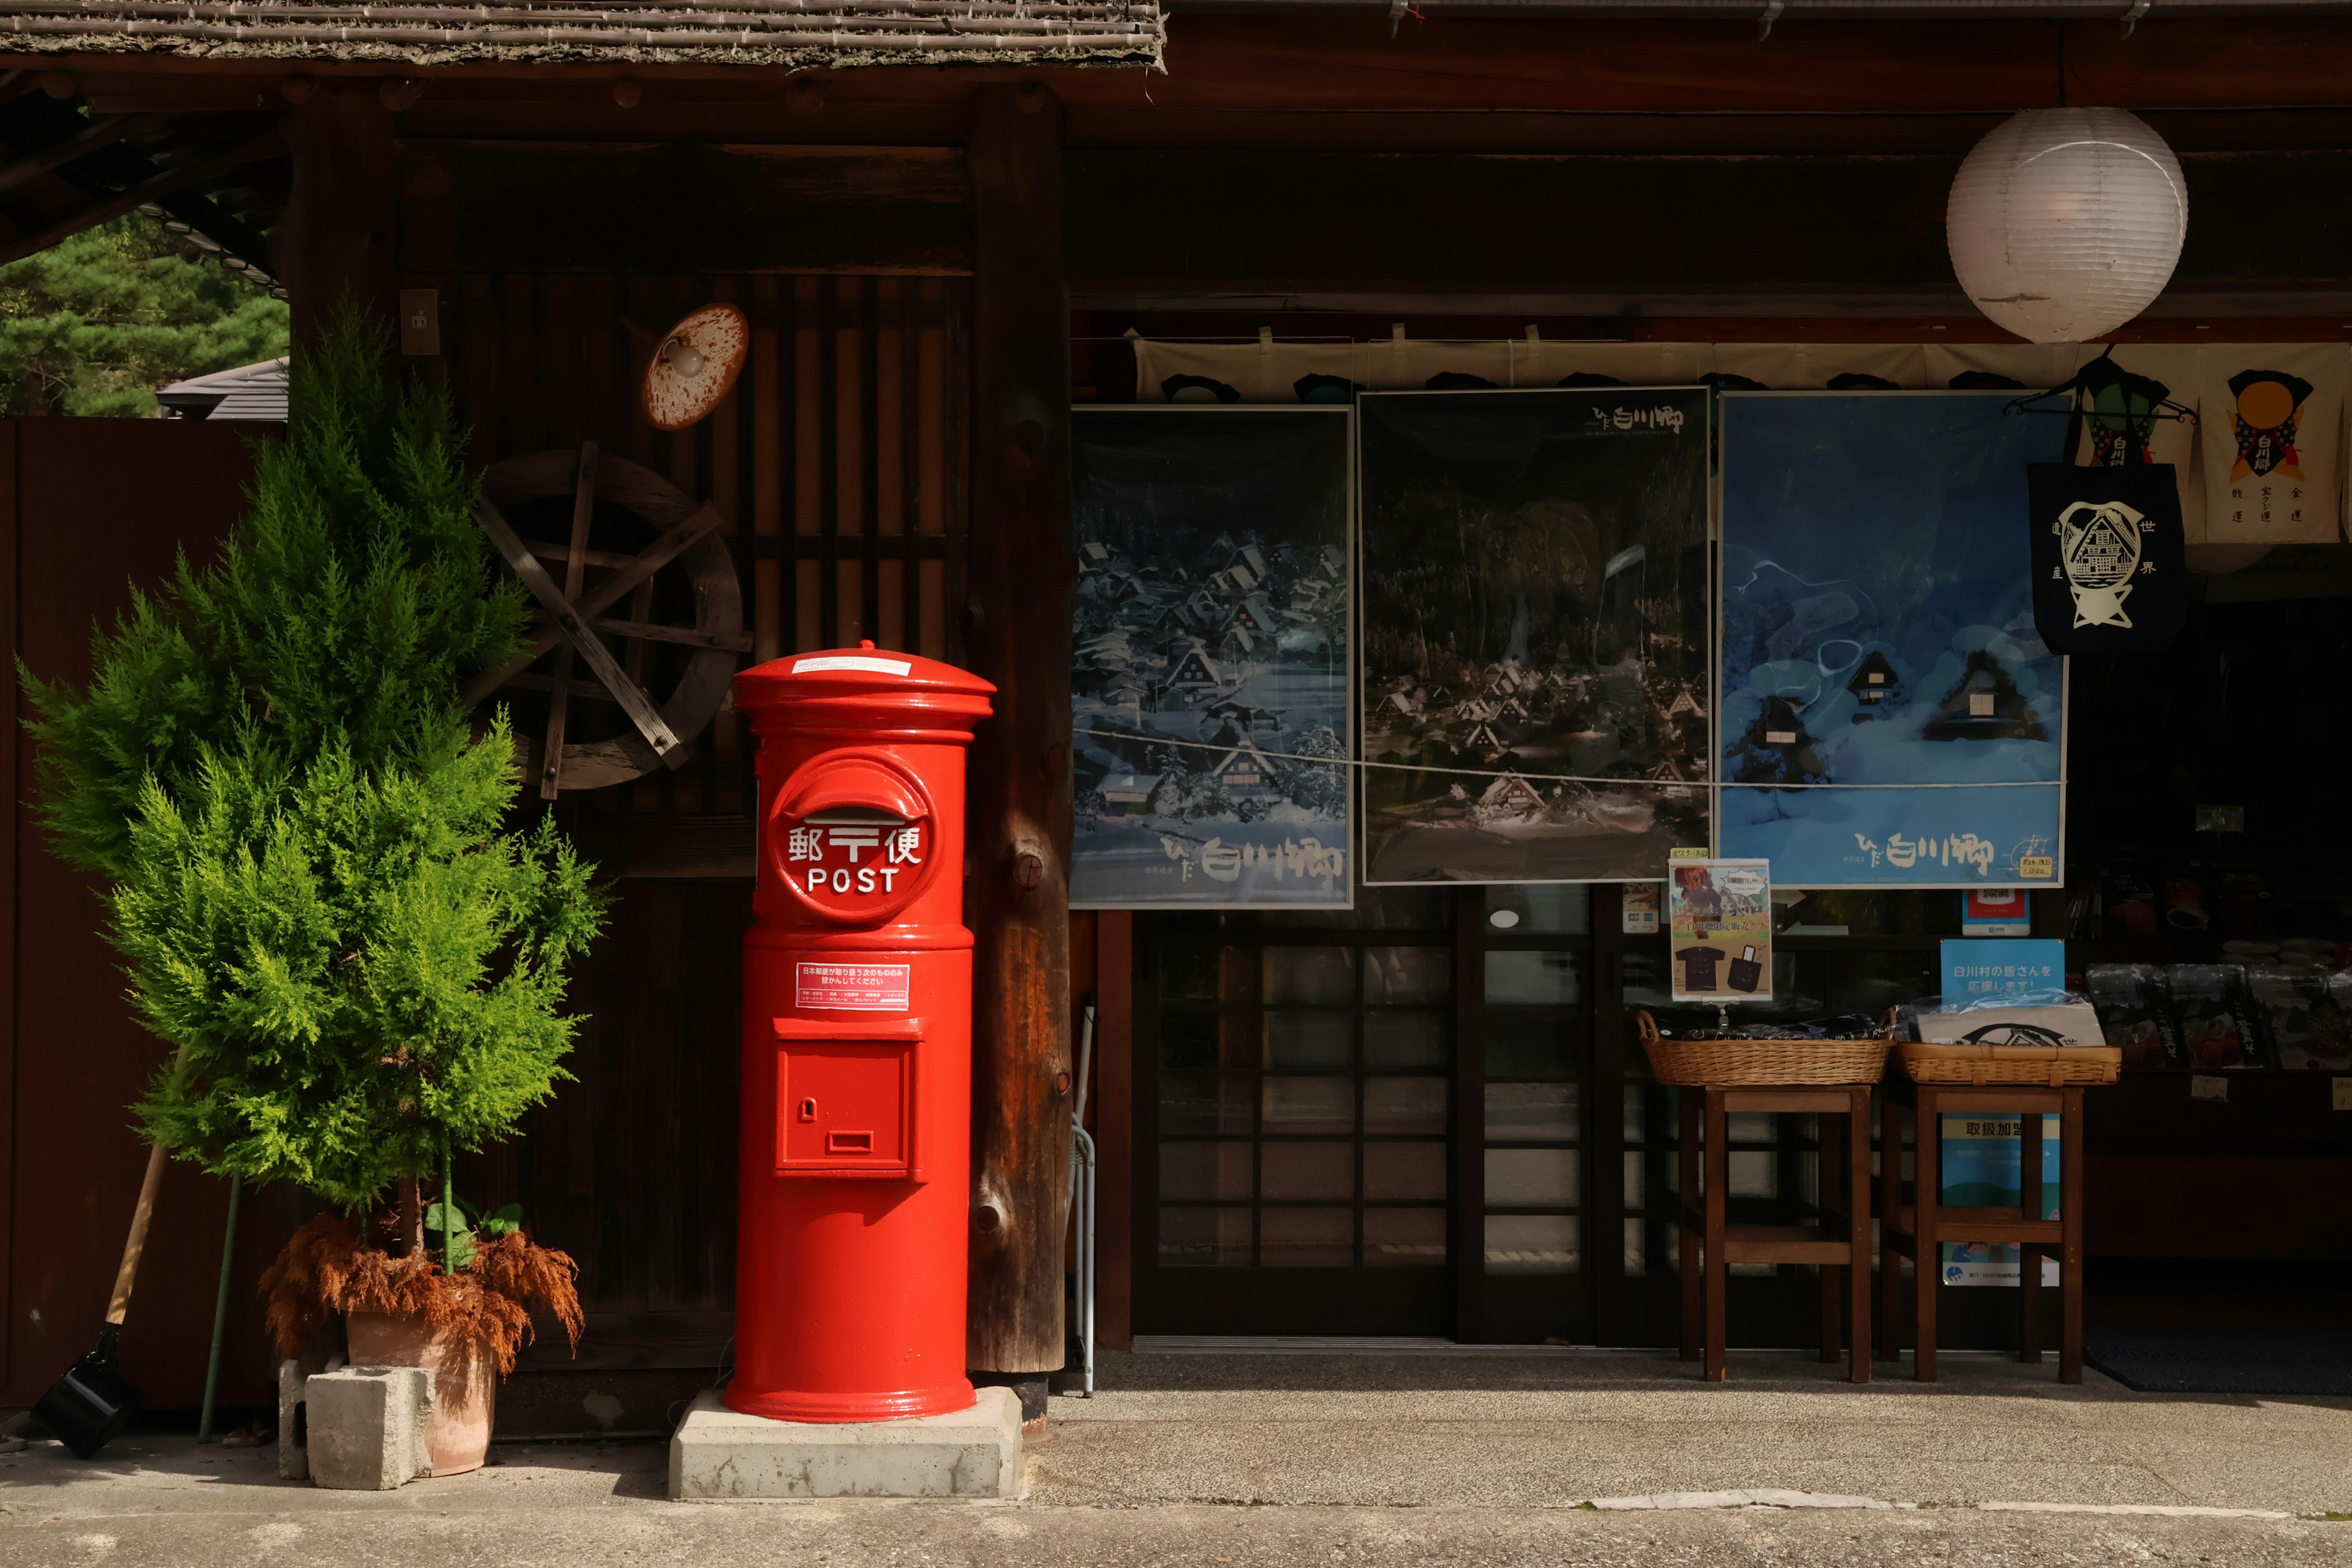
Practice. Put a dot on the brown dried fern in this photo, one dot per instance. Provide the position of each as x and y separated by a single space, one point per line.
324 1272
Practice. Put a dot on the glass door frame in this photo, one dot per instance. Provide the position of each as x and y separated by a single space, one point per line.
1258 1298
1492 1308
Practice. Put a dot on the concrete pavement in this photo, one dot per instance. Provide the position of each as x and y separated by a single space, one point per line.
1288 1460
1555 1428
992 1535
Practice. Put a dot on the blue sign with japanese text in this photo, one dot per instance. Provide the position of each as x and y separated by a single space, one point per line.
2009 966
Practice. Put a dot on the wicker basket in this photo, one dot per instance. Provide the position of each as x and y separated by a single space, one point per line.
1693 1064
2045 1066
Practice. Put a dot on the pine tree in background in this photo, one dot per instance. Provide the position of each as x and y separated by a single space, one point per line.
349 602
311 875
97 323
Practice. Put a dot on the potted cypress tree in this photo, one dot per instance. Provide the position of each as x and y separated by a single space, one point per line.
317 881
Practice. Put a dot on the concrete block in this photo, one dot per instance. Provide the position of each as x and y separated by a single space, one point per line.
366 1427
293 1419
719 1454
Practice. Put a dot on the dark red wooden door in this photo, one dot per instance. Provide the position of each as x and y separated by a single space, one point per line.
89 506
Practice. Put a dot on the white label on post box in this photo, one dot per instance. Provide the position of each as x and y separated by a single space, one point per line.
856 988
853 661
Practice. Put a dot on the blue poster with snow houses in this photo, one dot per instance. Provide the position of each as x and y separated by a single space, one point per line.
1210 692
1889 717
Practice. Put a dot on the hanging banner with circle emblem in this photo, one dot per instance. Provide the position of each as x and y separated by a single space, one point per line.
2110 569
2271 418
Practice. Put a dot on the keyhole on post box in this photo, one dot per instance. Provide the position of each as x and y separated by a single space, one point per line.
808 1110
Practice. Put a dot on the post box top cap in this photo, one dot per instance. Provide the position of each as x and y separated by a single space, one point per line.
861 671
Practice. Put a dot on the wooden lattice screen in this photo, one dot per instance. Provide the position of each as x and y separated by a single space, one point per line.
836 460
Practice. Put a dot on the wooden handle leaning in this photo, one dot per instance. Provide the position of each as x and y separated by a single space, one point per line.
119 1305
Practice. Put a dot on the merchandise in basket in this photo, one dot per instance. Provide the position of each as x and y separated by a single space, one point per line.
1837 1051
2048 1038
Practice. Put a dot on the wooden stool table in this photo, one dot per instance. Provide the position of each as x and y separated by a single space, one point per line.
1710 1245
1918 1229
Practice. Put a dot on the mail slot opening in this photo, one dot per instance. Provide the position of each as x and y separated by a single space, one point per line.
849 1142
860 832
855 816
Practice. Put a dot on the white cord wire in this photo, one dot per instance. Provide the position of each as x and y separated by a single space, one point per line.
1152 740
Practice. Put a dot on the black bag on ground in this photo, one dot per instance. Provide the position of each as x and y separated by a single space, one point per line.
2110 566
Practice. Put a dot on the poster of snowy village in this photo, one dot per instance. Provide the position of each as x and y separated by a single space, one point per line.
1879 646
1213 653
1535 647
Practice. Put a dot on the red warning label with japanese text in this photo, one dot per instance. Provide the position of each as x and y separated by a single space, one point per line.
859 987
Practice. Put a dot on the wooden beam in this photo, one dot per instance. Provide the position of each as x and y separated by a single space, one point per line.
341 227
196 171
1595 234
684 637
1023 576
103 132
1484 234
690 206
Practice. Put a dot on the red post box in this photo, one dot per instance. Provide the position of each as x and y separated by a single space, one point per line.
849 1295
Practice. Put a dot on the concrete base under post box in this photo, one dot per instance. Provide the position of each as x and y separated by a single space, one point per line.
720 1456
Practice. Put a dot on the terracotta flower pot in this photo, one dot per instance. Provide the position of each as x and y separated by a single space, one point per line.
465 1383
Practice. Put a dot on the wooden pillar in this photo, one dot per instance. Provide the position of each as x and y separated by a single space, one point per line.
341 225
1023 576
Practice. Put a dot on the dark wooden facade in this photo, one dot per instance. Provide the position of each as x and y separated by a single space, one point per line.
838 461
86 507
1617 179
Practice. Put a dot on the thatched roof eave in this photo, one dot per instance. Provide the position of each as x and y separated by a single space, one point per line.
791 34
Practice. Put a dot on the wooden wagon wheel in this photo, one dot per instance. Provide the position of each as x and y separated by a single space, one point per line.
635 536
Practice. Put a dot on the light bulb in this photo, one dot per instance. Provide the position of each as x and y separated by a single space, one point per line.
683 358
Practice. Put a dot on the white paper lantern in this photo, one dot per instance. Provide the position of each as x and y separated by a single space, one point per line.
2066 223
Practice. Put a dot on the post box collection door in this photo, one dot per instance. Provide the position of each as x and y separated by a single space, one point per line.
845 1098
856 1042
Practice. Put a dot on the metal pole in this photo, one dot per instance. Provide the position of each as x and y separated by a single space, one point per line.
220 1311
1083 1149
1082 1204
449 1207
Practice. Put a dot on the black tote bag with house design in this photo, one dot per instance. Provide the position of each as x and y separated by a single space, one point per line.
2110 564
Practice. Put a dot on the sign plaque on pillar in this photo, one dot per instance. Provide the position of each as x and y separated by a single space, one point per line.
420 322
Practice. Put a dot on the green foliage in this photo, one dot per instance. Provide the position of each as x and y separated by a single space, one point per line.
345 607
97 323
451 1230
355 966
312 881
